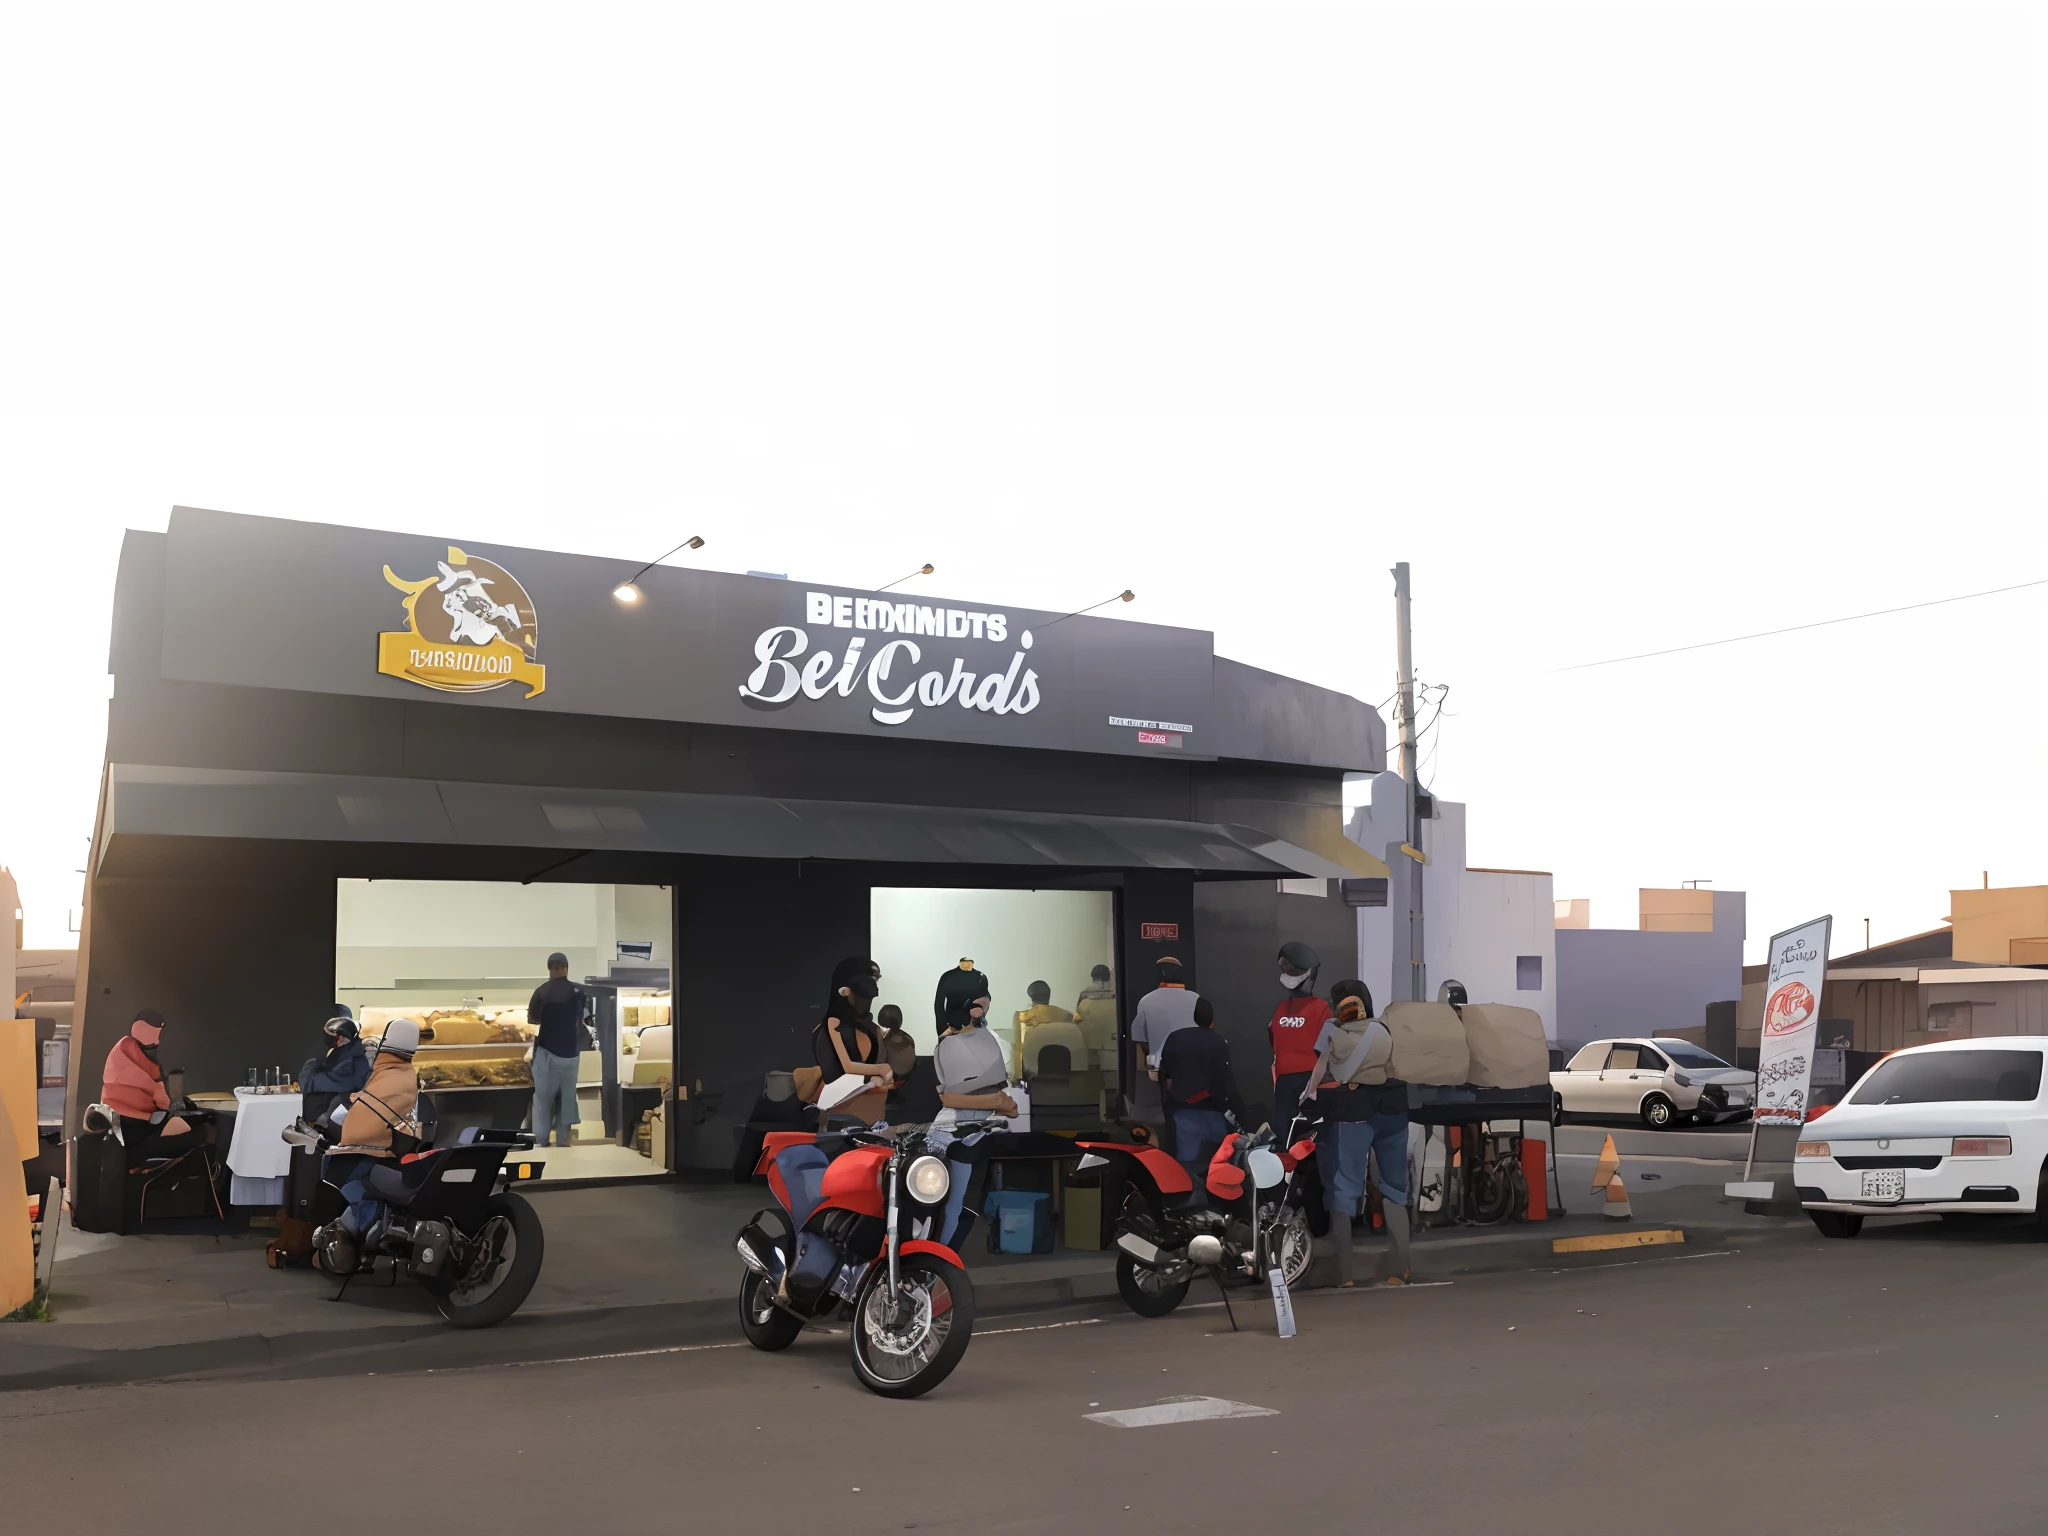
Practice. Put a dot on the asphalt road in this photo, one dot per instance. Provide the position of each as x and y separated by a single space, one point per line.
1890 1384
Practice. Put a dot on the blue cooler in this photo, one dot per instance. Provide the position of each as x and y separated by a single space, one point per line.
1020 1220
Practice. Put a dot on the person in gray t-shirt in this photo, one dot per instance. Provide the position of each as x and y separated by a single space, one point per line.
1162 1011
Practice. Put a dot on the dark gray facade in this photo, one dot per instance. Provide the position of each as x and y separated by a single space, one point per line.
255 755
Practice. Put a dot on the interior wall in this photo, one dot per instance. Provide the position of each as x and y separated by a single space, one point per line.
1015 937
483 938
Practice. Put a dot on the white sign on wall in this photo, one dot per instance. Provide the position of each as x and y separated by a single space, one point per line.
1785 1057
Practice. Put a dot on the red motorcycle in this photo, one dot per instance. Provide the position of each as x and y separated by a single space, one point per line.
853 1238
1249 1221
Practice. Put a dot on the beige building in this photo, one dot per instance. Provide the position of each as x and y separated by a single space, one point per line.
2002 926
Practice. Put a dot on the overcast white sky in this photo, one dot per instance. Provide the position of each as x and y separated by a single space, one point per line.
1627 326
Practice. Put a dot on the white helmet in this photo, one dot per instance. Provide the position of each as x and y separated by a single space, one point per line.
401 1038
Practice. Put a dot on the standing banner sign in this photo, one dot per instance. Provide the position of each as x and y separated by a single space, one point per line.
1784 1064
1785 1050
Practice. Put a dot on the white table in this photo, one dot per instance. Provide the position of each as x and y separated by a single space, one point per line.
258 1157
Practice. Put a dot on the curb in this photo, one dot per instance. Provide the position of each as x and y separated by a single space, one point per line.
429 1345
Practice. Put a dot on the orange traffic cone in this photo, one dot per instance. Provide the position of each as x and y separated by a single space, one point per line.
1616 1208
1607 1167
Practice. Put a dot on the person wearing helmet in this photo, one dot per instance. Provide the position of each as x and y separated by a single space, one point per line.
342 1069
132 1086
387 1105
1296 1028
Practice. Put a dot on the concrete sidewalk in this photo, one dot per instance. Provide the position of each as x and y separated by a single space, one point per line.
629 1267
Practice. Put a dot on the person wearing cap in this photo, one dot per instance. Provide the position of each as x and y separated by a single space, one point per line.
132 1086
1168 1007
557 1007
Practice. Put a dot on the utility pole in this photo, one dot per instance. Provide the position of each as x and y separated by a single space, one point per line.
1404 661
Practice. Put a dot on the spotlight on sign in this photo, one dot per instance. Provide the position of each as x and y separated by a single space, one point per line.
625 592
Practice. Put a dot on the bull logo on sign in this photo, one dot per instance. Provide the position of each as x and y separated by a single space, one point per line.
482 634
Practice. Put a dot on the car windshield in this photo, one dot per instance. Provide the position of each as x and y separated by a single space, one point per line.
1953 1077
1690 1055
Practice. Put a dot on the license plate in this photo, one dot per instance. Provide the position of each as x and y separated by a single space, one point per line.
1739 1096
1884 1184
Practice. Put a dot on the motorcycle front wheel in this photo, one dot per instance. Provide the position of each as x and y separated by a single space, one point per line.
765 1324
1145 1291
908 1354
507 1252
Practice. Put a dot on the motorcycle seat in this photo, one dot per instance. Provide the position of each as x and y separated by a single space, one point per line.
398 1184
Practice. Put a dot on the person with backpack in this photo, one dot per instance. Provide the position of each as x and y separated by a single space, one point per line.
1365 1128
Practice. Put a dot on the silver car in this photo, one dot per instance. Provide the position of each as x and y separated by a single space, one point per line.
1664 1082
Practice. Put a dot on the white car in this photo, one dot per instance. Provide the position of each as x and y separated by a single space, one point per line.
1954 1127
1666 1082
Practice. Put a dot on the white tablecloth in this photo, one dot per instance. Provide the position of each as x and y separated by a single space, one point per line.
258 1157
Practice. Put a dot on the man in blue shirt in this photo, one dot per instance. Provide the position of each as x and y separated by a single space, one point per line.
557 1007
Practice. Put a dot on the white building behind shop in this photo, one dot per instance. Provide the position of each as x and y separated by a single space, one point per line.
1491 929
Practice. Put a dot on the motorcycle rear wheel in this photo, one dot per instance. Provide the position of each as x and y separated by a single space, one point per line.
1144 1292
911 1360
485 1300
765 1324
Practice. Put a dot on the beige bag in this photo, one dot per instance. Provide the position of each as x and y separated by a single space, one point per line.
1429 1044
1508 1046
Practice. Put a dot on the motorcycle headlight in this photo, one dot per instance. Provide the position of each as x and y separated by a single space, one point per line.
928 1179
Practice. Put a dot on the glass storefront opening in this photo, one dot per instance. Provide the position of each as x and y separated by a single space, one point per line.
461 958
1048 957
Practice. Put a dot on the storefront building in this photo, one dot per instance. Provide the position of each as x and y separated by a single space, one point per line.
395 772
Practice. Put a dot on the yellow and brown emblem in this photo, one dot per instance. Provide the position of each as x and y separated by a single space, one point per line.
470 629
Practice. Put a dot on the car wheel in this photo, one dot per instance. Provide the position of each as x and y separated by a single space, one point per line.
1837 1223
1659 1114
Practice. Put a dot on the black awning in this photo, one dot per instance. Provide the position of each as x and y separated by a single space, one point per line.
146 801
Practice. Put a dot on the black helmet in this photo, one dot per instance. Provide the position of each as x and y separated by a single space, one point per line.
1299 958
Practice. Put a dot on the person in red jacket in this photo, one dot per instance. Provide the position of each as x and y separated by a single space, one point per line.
132 1086
1296 1028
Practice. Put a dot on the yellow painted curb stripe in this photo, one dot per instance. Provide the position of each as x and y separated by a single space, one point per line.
1606 1240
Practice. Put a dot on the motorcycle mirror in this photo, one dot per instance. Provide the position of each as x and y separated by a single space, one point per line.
1265 1168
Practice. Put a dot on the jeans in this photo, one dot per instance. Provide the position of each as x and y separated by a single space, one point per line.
554 1096
350 1173
1197 1132
1348 1149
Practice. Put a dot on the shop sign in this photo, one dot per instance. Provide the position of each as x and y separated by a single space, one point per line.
1792 993
889 672
1159 930
470 629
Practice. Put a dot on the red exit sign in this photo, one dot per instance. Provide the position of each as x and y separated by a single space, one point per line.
1159 930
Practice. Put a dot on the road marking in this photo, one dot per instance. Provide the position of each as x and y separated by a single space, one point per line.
1079 1322
1670 1258
624 1354
1180 1410
1605 1240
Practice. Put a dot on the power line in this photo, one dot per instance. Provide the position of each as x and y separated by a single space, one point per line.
1764 634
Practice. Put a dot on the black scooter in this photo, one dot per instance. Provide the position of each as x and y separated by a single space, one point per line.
449 1222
